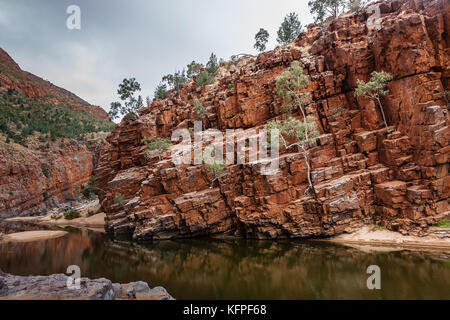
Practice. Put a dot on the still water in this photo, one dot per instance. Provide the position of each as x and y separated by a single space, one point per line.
212 269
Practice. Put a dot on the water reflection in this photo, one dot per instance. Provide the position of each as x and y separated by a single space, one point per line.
207 269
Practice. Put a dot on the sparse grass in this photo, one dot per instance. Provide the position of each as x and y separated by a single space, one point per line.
443 224
56 217
71 214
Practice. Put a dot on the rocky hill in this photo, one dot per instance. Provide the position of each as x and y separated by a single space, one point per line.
363 173
48 138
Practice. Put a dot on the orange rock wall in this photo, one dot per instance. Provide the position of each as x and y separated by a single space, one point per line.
363 173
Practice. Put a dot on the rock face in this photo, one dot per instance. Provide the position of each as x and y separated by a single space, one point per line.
362 172
33 180
55 287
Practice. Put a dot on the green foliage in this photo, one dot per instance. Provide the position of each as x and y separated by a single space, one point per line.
161 91
289 85
199 109
21 116
322 9
127 91
118 199
375 89
89 189
204 79
56 217
156 144
261 39
290 29
356 5
175 81
230 85
216 169
71 214
212 66
46 170
193 69
443 224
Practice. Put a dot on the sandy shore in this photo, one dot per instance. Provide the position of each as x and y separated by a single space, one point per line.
31 236
374 236
96 221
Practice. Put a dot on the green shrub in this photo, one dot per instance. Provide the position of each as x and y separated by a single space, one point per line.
443 224
199 109
71 214
156 144
56 217
230 85
118 199
46 170
204 79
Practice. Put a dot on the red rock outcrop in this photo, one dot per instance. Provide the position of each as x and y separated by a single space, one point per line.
362 172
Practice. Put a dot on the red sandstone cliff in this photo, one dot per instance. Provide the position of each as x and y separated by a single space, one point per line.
36 178
362 173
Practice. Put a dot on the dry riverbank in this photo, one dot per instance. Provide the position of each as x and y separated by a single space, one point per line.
437 238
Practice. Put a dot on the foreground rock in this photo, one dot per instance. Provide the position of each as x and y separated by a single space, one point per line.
363 173
54 287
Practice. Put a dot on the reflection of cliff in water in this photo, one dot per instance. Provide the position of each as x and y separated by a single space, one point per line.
209 269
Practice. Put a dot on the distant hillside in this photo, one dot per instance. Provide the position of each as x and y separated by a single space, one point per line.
13 77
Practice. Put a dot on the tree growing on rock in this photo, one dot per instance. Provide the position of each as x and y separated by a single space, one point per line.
193 69
356 5
322 9
290 29
158 144
375 89
301 133
199 109
289 86
131 104
161 91
261 38
216 170
175 81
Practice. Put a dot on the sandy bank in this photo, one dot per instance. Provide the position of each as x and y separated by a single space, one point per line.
370 235
96 221
31 236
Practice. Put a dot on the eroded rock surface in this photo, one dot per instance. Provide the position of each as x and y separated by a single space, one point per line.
362 172
55 287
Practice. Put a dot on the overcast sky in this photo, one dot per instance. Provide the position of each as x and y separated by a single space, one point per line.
144 39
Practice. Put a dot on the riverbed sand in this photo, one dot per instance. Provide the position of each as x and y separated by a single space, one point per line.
371 235
31 236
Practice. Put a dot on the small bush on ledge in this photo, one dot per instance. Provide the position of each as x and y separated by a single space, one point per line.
71 214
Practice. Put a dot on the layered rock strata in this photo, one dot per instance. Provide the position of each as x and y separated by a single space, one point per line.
362 172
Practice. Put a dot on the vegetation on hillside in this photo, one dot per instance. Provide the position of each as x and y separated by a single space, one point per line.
21 117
